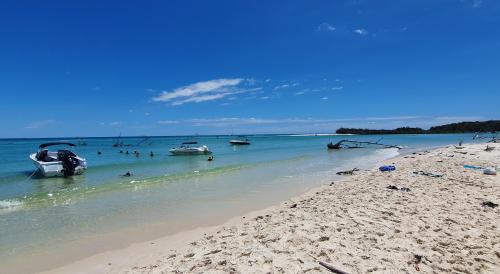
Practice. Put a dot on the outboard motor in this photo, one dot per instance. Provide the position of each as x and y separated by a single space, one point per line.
69 163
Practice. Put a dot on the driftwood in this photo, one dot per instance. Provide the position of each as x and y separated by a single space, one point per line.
331 268
358 144
348 172
492 139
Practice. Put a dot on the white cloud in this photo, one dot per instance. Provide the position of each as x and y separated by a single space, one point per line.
361 31
325 27
200 91
324 98
264 97
338 88
41 124
147 114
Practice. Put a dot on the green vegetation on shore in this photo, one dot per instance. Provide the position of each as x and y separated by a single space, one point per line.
462 127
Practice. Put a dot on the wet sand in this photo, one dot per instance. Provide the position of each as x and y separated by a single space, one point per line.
358 225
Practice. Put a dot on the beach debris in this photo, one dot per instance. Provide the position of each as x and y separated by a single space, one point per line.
331 268
323 238
489 171
358 144
332 183
490 204
293 206
430 174
387 168
488 148
404 189
348 172
417 259
473 167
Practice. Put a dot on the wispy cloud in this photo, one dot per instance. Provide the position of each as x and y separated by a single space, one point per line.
361 31
115 123
167 122
232 121
281 86
325 27
338 88
203 91
477 3
41 124
308 125
324 98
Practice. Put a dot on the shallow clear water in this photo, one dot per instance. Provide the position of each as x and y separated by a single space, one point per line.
41 214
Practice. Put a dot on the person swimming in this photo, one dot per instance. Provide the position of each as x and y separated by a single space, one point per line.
121 151
99 153
127 174
127 152
151 154
210 158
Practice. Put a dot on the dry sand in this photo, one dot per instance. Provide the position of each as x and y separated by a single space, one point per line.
357 225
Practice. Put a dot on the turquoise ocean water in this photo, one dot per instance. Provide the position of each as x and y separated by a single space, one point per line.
40 215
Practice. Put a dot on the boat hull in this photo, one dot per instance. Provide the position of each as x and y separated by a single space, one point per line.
239 142
189 152
55 168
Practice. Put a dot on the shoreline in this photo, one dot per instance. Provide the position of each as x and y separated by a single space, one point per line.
164 252
62 253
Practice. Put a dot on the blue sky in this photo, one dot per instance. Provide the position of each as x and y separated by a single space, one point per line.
98 68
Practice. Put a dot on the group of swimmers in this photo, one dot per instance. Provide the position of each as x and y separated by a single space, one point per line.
137 153
151 154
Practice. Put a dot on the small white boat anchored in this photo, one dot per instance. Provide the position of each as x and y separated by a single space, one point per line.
241 140
187 149
62 162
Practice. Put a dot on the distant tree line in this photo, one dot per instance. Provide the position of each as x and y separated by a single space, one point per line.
462 127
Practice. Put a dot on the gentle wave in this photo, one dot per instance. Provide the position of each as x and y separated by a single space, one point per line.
72 195
10 205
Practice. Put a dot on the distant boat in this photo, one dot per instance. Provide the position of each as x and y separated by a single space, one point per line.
186 149
241 140
119 143
62 162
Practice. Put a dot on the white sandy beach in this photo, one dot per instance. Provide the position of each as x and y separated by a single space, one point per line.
357 225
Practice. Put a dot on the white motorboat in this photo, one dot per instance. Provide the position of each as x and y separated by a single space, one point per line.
241 140
187 149
62 162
